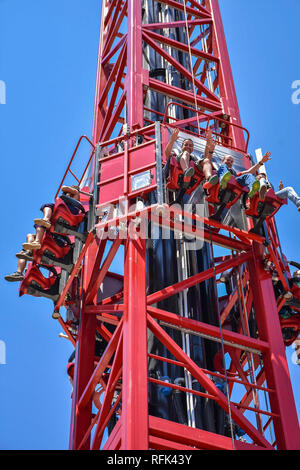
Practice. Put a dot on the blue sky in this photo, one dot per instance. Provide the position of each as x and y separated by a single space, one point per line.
48 55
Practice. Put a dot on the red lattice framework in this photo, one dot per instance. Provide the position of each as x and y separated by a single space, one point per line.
122 84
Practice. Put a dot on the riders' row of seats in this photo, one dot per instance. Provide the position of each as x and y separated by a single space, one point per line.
56 255
218 199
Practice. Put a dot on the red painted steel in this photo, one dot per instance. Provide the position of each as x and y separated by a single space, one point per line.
135 434
121 371
276 368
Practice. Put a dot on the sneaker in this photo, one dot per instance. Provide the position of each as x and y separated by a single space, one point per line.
25 254
224 278
262 192
14 277
55 315
225 180
254 188
69 189
189 172
31 246
43 222
213 180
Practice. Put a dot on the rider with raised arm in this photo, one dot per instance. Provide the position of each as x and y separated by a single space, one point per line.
244 178
185 155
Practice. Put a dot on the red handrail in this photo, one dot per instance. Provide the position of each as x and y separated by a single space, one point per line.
71 160
208 118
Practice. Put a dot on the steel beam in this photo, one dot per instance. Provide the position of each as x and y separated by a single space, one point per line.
135 434
122 84
275 364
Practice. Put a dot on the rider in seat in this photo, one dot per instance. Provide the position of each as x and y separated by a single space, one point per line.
34 241
37 284
244 178
268 202
233 185
282 193
187 170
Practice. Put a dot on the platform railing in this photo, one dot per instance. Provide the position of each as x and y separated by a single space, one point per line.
68 170
226 141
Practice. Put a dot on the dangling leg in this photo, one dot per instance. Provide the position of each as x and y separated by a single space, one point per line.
36 243
251 182
210 179
45 221
39 235
26 254
23 256
224 175
291 194
263 188
184 163
18 275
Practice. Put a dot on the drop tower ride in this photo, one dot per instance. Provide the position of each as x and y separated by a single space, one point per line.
183 365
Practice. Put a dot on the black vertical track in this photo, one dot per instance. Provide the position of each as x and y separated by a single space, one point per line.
162 271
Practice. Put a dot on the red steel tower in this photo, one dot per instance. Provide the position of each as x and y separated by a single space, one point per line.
184 365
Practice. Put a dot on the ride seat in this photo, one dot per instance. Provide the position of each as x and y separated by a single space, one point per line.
290 328
49 244
63 220
219 196
52 253
175 179
224 198
36 284
270 205
263 210
295 291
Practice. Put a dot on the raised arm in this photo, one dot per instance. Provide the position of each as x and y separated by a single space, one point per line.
255 167
169 147
210 145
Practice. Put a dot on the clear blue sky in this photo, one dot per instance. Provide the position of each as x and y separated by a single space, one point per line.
48 54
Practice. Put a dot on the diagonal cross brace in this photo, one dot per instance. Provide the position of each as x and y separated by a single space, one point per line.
206 383
93 289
